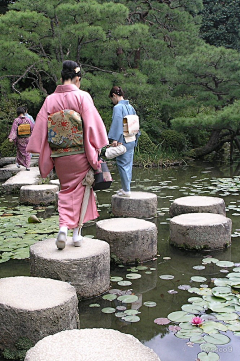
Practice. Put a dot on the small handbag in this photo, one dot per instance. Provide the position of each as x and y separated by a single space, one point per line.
102 177
113 152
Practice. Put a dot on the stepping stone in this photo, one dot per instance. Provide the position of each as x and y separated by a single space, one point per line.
38 194
197 204
139 205
130 239
35 308
8 171
22 178
7 160
87 268
96 344
200 231
55 181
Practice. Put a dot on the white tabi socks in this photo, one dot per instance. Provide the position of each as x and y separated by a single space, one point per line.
77 237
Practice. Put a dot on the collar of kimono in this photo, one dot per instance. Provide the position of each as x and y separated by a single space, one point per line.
66 88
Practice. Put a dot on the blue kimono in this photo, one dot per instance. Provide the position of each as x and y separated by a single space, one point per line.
124 161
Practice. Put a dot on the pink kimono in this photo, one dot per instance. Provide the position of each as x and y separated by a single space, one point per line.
71 169
23 157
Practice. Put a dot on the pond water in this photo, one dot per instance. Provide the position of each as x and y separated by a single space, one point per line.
168 184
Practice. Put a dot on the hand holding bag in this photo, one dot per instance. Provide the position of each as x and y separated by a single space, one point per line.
113 152
102 177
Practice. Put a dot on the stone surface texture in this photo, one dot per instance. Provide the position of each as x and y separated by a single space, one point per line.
20 179
35 308
196 204
8 171
95 344
87 268
139 205
38 194
130 239
200 231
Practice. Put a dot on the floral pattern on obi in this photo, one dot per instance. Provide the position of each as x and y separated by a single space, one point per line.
65 132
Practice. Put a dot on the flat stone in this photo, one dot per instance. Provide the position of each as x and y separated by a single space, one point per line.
130 239
200 231
22 178
8 171
7 160
139 205
34 308
38 194
95 344
196 204
87 268
55 181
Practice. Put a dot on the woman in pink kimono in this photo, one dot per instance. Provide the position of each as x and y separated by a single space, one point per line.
21 141
69 146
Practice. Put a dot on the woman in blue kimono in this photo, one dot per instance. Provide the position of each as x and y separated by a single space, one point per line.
125 161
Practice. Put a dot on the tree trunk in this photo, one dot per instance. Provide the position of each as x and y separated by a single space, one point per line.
215 142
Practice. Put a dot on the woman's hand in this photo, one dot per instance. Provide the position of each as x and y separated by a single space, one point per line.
115 143
10 140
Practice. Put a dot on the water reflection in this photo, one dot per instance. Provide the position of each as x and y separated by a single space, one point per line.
169 184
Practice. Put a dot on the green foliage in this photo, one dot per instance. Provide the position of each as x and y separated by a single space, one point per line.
22 346
7 149
153 50
221 23
171 139
145 145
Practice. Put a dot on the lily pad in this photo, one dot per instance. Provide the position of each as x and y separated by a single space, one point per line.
211 356
116 279
166 277
162 321
192 308
133 276
124 283
109 297
198 279
209 260
179 316
128 298
217 339
199 268
131 318
108 310
94 305
131 312
150 304
142 268
225 264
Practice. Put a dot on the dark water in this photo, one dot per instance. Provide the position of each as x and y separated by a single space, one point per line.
168 184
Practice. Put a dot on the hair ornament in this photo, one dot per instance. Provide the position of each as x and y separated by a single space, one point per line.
77 70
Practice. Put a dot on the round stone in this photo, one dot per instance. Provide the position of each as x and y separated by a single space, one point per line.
200 231
130 239
95 344
33 308
87 268
197 204
139 205
38 194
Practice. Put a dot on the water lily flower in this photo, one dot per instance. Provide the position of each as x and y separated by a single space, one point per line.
197 321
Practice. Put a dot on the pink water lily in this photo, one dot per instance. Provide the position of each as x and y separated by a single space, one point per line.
197 321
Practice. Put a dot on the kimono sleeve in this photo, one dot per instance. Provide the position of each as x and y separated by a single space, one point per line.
116 129
38 142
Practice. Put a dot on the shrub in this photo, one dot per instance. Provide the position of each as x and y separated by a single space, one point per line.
7 149
171 139
145 145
